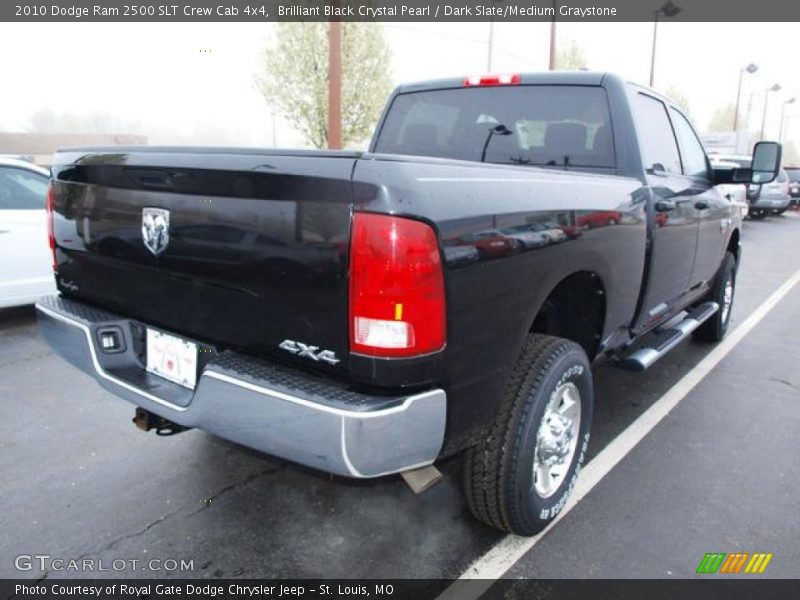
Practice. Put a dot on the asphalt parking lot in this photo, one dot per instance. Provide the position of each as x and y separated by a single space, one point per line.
718 474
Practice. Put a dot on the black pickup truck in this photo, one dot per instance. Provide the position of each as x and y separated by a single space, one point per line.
371 313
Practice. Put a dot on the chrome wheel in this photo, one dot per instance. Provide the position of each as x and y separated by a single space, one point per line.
727 299
556 439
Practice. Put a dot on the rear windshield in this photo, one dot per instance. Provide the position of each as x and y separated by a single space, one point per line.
559 126
794 174
742 162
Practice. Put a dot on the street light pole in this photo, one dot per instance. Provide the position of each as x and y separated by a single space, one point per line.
783 111
653 53
751 68
774 88
669 9
552 62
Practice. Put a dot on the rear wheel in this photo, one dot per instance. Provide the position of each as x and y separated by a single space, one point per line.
757 214
714 329
518 478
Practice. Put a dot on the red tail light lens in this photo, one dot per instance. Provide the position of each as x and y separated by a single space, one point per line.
49 203
505 79
397 303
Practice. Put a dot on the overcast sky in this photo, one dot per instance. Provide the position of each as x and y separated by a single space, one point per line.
155 78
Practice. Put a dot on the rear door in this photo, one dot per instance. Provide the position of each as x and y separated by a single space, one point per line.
673 214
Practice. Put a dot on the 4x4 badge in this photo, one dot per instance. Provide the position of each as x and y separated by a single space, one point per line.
307 351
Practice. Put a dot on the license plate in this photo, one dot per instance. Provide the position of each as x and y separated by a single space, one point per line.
172 358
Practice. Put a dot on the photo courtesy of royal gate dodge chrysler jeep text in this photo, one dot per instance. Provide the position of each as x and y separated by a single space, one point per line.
447 291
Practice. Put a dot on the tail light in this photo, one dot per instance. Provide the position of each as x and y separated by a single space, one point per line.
51 196
505 79
397 303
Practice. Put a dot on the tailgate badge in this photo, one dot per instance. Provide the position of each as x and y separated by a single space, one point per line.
155 229
306 351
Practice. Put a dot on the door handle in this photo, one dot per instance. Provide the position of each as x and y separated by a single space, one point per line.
665 205
701 205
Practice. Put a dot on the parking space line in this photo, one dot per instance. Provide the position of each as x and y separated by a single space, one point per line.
501 557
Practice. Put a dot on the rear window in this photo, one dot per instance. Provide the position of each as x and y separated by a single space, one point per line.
558 126
794 174
743 163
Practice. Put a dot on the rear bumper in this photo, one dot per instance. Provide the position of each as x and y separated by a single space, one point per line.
771 202
283 412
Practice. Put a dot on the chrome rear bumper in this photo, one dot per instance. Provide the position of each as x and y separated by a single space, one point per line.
283 412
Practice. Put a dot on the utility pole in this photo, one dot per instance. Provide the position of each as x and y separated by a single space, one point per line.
491 44
335 85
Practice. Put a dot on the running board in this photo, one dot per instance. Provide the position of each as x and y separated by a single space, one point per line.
656 344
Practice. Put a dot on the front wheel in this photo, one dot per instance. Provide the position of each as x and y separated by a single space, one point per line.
714 329
519 476
757 214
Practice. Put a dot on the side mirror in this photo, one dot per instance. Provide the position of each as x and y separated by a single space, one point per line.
766 162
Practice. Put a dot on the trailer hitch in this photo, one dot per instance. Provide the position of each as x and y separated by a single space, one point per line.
145 420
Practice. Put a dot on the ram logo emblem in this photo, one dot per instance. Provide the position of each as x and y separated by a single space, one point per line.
312 352
155 229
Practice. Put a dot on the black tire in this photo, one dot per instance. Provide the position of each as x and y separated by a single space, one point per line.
714 329
498 473
757 214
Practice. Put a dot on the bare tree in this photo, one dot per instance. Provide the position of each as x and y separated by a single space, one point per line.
293 78
723 117
571 58
46 121
677 96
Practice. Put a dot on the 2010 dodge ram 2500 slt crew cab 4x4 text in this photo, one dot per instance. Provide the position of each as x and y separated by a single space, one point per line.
446 291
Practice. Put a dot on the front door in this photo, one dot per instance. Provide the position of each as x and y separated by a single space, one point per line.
713 209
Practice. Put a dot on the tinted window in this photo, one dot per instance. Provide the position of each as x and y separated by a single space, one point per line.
692 153
658 142
560 126
21 189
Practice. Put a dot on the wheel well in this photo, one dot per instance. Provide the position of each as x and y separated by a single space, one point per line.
575 310
733 245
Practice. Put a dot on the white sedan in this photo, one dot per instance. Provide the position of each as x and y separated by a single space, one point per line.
26 264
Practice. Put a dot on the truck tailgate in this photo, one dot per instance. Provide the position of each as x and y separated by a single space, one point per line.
240 249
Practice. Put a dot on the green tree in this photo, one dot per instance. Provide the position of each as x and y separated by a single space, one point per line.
571 58
674 93
722 119
293 78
